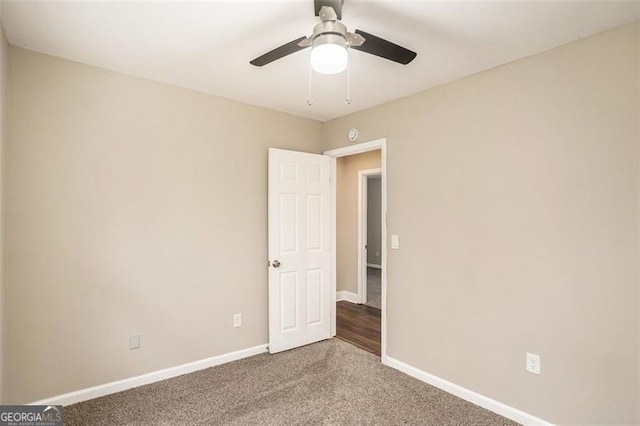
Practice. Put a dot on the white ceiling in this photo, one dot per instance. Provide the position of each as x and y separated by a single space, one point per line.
207 46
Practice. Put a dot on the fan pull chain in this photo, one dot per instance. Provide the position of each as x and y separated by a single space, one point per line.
348 99
309 100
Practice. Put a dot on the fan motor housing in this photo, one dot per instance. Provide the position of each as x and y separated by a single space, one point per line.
329 28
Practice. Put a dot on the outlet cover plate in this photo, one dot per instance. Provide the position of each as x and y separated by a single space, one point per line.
237 320
533 363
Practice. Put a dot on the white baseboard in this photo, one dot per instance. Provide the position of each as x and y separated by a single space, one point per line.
145 379
373 265
349 296
466 394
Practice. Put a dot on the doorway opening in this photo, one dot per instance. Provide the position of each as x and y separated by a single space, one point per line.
361 303
370 236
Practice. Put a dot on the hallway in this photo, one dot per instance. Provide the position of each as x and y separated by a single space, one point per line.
359 325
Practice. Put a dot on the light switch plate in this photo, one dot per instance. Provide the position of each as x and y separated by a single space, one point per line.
395 242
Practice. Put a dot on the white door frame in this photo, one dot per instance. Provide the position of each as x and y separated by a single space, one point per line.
380 144
363 209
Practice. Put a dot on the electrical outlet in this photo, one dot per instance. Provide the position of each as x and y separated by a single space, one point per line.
134 341
237 320
533 363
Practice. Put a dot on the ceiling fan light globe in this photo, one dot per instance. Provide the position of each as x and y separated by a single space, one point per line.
329 58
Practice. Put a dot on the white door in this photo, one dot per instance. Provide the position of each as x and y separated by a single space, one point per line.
299 249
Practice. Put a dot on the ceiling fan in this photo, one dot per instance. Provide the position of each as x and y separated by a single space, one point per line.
330 40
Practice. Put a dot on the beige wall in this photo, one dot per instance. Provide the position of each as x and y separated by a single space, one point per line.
133 206
4 73
374 220
347 169
515 195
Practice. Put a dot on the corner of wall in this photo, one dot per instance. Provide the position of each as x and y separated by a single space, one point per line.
638 150
4 62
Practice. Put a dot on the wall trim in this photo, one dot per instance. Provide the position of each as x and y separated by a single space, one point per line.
357 148
145 379
349 296
466 394
373 265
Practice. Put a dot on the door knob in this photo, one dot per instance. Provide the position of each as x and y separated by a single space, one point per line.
276 264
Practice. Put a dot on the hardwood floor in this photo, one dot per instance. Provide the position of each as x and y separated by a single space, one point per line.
359 325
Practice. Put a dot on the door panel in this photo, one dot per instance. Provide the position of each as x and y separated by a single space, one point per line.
288 223
289 301
314 296
299 249
314 222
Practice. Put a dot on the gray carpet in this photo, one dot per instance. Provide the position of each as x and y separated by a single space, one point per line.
328 383
374 283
